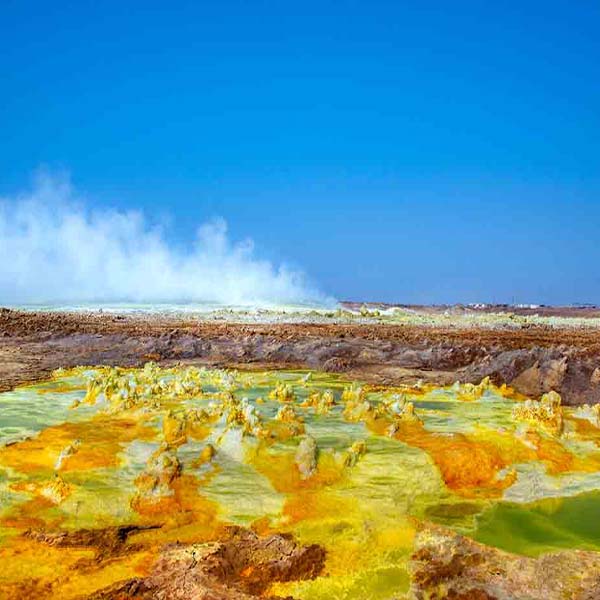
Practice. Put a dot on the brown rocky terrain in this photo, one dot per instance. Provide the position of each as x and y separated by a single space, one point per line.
532 359
242 566
448 565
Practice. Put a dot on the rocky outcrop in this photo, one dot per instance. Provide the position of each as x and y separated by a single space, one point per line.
447 565
532 360
241 567
536 371
107 542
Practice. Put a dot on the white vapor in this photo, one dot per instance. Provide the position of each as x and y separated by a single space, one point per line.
54 250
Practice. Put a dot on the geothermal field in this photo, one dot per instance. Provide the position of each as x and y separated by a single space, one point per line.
299 300
363 452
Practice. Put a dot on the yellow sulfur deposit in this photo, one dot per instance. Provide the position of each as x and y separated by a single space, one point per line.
183 453
282 392
354 453
547 412
322 402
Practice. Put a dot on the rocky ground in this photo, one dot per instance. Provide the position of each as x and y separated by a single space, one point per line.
532 359
448 565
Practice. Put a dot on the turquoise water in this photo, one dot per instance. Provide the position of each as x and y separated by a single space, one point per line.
546 525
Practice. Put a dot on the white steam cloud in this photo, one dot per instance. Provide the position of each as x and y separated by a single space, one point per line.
54 250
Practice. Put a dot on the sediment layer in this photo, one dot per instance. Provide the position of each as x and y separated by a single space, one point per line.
533 359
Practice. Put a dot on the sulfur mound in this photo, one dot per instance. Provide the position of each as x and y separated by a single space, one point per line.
321 402
306 457
56 491
355 453
162 469
547 412
283 392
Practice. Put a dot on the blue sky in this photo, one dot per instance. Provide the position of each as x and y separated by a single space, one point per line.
399 151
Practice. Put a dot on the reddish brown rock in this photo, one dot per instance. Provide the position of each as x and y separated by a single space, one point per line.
241 567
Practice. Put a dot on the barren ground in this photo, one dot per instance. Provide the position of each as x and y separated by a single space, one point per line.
532 359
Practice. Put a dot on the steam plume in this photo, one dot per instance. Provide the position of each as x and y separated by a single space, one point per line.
55 250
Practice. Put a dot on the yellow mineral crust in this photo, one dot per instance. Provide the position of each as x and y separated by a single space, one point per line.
174 429
332 468
54 490
590 413
100 439
547 412
282 392
470 392
321 402
31 569
354 453
206 456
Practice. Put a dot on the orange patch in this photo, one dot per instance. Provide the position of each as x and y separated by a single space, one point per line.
247 571
184 507
102 438
585 429
31 569
313 504
282 472
558 459
468 466
28 515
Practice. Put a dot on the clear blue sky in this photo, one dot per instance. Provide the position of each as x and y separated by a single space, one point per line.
401 151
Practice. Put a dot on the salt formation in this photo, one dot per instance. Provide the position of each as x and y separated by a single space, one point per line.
174 429
206 456
56 491
243 415
400 410
469 392
293 423
547 412
67 451
355 453
322 402
146 388
353 393
283 392
356 406
306 457
590 413
162 469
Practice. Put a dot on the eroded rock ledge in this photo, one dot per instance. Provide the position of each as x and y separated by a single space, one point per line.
448 565
241 567
533 360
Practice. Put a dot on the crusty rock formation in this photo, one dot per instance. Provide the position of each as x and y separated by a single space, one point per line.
448 565
241 567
